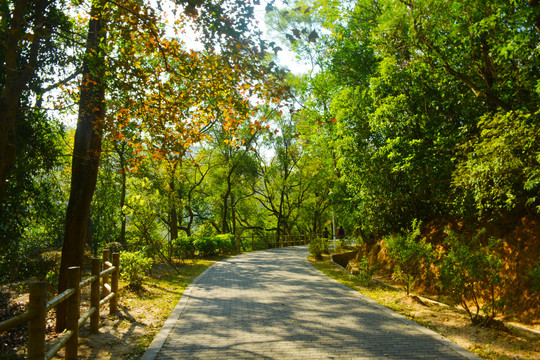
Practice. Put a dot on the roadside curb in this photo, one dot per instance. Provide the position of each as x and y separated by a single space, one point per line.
455 347
161 337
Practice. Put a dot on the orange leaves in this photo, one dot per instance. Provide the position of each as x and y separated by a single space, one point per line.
174 95
119 137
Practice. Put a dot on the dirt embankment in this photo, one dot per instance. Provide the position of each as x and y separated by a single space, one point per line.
520 253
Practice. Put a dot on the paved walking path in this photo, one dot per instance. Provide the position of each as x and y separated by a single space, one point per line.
274 305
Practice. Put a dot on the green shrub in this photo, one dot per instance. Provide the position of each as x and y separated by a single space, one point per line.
213 244
188 247
133 266
206 245
226 243
48 261
52 279
114 247
469 269
184 247
411 254
365 270
317 247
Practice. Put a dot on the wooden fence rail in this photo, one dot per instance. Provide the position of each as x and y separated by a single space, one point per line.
38 307
253 242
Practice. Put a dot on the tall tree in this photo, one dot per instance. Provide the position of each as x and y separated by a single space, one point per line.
86 149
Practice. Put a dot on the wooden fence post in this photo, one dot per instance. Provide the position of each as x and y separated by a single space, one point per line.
266 241
94 295
36 325
106 258
114 283
73 312
252 242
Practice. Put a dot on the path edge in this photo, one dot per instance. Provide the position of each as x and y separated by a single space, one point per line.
156 344
466 353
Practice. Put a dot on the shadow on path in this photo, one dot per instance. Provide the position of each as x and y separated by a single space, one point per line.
274 305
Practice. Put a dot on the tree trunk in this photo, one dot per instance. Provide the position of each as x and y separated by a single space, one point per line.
86 152
173 214
123 171
17 75
233 215
225 214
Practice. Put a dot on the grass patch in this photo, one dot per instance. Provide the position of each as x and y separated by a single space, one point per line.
384 296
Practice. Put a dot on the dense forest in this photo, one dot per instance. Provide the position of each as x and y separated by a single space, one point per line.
152 123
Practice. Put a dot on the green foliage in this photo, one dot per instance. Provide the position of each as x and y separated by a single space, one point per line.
33 259
48 261
212 245
533 276
365 270
317 247
143 207
115 247
184 247
31 219
411 254
204 245
52 278
105 210
227 243
426 126
134 266
470 271
501 167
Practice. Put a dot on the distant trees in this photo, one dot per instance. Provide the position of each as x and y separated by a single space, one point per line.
436 109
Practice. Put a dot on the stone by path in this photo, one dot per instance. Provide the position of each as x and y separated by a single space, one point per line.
274 305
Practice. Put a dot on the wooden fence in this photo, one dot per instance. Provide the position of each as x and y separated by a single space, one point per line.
252 243
38 307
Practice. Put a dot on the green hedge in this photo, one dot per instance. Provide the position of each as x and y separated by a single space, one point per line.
205 245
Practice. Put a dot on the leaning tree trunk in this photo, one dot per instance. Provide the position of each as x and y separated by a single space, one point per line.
86 152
